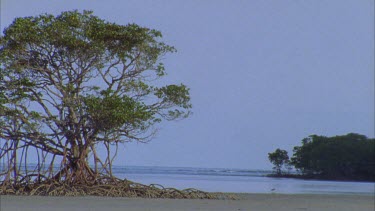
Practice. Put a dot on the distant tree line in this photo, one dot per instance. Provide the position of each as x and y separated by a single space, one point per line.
345 157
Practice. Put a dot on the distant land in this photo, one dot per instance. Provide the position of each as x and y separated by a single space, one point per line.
349 157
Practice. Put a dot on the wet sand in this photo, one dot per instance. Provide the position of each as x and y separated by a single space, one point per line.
246 202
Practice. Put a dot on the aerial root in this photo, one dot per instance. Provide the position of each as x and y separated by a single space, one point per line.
108 188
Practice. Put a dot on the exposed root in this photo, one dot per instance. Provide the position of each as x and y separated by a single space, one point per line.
109 188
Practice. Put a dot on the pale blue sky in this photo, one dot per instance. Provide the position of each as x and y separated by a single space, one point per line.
263 74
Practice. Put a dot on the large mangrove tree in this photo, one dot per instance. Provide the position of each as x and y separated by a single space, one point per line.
73 83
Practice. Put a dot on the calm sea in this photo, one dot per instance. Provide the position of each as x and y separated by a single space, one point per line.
233 180
236 180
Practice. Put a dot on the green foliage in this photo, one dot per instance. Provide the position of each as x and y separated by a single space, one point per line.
174 94
73 81
278 158
350 156
111 112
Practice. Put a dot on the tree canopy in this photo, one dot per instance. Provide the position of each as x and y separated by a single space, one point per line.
278 158
72 82
350 156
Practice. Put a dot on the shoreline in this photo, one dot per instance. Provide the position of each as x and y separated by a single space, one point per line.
317 178
246 201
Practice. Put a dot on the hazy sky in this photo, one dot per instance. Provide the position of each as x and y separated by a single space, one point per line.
263 74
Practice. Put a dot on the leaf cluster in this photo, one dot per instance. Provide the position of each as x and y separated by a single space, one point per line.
109 112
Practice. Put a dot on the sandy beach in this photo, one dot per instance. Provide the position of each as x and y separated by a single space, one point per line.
246 202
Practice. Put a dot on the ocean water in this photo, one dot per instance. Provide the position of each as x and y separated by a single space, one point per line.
237 180
233 180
